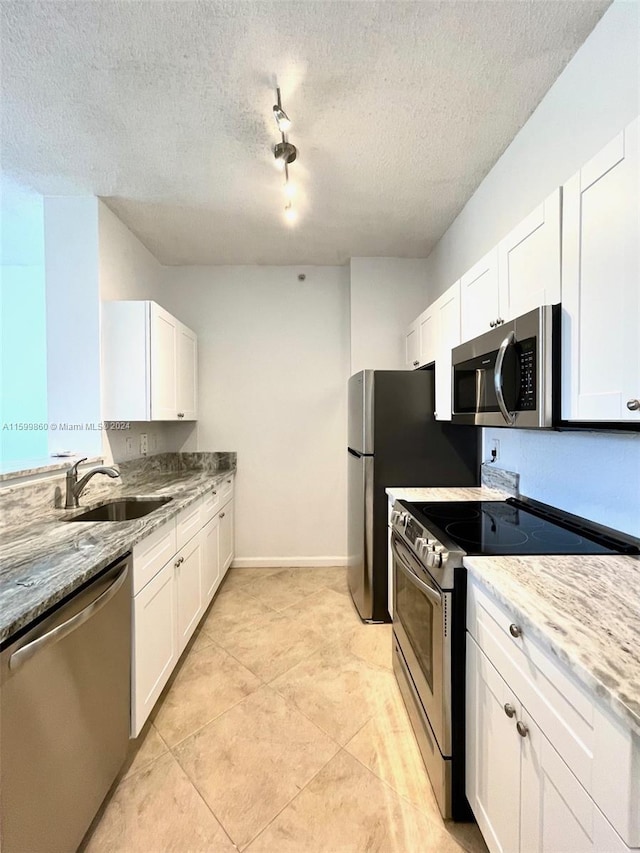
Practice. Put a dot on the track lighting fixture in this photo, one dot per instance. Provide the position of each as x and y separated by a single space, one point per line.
285 153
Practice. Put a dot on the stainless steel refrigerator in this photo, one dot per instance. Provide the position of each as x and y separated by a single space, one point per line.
394 440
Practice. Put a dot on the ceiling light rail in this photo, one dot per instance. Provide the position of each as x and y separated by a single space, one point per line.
285 153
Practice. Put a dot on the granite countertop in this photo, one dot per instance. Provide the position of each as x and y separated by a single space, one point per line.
47 560
584 610
463 493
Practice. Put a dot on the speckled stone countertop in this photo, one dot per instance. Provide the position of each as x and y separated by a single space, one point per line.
464 493
584 610
47 560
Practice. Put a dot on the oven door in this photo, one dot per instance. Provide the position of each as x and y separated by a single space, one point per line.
420 623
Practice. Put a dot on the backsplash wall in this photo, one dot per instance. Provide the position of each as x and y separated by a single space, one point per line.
593 474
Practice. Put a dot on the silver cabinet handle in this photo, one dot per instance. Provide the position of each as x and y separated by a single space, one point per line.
493 324
416 363
515 630
523 730
180 414
222 515
179 562
214 492
229 481
633 405
509 710
28 651
497 378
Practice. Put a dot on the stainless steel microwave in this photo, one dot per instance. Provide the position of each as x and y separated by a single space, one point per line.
506 377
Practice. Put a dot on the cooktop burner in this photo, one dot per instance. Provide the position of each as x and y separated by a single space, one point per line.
508 527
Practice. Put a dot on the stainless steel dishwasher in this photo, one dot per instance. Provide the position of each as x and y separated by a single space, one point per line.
64 716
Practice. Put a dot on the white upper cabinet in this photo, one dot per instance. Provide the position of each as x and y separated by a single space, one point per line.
479 295
428 328
529 261
447 317
601 285
412 345
149 364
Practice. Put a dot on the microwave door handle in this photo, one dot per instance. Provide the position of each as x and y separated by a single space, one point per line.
497 378
428 590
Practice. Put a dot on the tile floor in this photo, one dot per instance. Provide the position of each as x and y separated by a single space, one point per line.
282 731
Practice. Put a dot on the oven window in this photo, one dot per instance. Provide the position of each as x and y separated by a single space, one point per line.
415 611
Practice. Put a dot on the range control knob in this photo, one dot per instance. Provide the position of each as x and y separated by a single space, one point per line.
404 516
395 516
421 545
435 559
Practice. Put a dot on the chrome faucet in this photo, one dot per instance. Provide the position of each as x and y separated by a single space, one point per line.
75 486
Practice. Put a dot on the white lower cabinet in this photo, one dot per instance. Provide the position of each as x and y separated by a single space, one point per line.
226 537
170 599
189 600
211 574
532 779
155 644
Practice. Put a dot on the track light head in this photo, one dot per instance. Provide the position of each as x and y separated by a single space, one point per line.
282 119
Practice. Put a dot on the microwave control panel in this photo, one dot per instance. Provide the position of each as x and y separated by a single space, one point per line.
527 358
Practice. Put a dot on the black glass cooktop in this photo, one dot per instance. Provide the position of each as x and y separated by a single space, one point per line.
507 527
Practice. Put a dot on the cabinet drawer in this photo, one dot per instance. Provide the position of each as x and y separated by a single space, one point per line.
599 752
210 505
152 553
225 489
188 523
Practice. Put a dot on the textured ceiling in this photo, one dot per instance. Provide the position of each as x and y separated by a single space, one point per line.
164 110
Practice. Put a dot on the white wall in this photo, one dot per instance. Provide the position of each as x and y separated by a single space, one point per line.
127 270
598 93
593 474
386 295
73 322
274 363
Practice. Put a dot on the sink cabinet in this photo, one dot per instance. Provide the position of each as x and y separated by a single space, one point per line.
177 570
149 364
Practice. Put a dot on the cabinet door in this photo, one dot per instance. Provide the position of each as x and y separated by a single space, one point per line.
557 815
155 651
188 567
226 537
187 374
428 328
412 346
447 309
164 360
493 753
479 298
529 261
211 574
600 292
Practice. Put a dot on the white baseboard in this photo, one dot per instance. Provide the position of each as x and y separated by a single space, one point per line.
286 562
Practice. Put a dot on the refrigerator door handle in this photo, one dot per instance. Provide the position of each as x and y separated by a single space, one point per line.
355 453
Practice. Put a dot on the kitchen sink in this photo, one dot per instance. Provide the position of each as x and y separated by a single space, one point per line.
122 509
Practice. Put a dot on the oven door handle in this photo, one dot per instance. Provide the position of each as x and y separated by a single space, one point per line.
429 591
497 378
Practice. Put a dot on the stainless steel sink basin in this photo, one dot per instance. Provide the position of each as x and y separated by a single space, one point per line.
123 509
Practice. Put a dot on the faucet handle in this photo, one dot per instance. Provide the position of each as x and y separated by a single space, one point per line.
73 469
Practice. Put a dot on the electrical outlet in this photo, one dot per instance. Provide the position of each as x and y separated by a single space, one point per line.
144 444
495 449
128 446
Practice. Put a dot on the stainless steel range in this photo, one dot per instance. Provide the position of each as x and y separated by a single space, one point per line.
428 544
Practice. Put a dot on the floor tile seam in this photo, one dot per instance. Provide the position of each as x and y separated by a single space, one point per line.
295 797
309 595
402 796
288 606
213 719
208 807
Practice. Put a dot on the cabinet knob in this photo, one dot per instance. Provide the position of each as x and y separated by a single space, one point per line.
499 321
214 492
493 324
416 363
509 710
523 730
180 414
633 405
514 630
179 562
221 515
229 481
